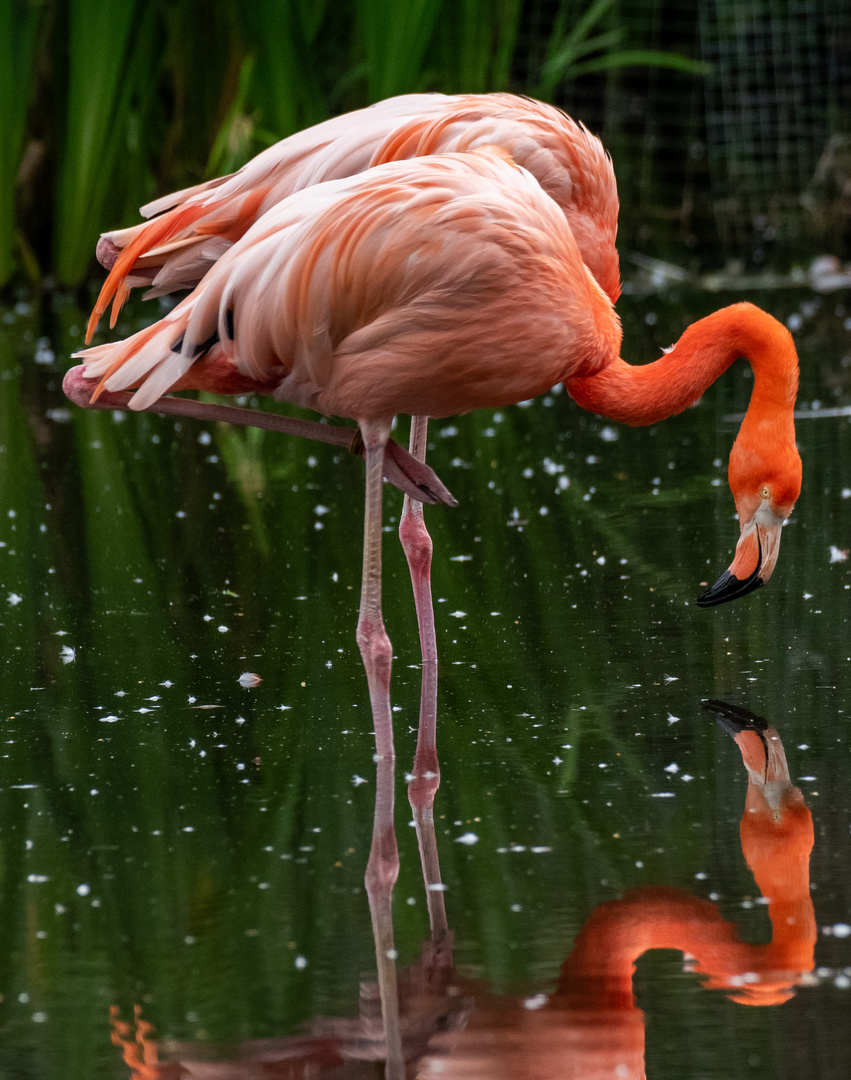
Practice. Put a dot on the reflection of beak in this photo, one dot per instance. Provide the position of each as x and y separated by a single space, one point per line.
756 554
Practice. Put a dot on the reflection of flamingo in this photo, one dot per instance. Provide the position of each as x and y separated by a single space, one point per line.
589 1026
433 287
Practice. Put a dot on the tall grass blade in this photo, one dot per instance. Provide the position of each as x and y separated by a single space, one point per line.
286 87
19 26
109 54
396 38
475 49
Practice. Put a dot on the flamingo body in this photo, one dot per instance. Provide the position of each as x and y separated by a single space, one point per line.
428 287
193 228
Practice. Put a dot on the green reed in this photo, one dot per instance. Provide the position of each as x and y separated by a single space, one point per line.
19 24
105 105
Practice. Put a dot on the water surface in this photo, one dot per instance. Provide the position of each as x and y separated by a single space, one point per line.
175 843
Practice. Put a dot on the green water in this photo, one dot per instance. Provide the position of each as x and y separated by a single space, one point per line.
172 840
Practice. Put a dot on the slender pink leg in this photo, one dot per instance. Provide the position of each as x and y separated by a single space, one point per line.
399 467
383 866
425 780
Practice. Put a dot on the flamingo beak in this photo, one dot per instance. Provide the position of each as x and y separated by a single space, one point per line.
752 566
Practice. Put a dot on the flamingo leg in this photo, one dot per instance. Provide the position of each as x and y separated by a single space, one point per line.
383 865
425 779
399 467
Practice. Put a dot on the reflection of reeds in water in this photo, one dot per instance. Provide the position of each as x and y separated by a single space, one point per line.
589 1024
127 843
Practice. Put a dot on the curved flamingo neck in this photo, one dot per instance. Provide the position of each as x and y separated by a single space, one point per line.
651 392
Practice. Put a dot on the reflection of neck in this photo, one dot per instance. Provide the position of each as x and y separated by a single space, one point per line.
651 392
776 841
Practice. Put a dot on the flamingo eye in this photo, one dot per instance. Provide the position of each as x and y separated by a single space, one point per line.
764 492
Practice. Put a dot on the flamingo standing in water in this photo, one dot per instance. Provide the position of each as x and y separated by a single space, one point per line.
433 287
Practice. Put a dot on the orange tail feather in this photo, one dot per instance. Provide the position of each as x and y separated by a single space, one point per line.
159 231
133 345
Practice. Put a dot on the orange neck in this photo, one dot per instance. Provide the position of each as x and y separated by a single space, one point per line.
649 393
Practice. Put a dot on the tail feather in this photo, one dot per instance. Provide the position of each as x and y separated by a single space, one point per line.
164 242
159 231
153 359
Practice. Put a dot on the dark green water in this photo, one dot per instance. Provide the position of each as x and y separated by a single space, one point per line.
172 840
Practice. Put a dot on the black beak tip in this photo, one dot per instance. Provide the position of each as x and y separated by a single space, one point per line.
729 587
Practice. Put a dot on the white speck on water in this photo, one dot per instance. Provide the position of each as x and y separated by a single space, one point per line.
83 890
358 780
249 679
841 930
300 963
838 554
460 558
39 1017
536 1002
468 838
240 720
37 879
188 828
601 561
671 678
67 655
516 907
14 599
673 719
672 768
94 791
436 886
557 760
458 614
223 629
662 795
208 618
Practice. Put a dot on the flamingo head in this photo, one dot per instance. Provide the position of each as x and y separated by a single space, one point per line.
765 478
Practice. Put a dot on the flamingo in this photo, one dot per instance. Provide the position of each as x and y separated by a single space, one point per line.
437 286
431 287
